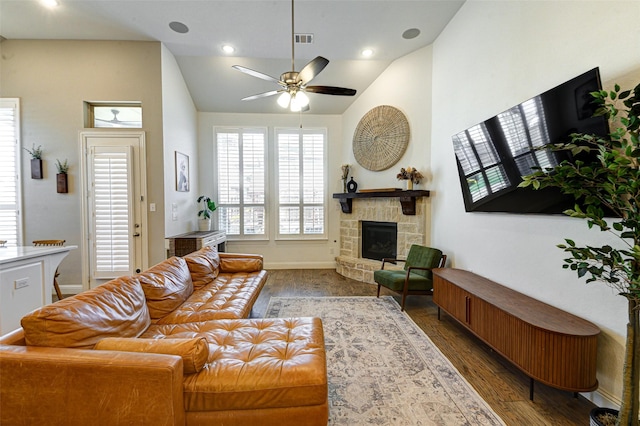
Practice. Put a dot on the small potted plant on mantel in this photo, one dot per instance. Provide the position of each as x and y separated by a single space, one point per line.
611 182
208 207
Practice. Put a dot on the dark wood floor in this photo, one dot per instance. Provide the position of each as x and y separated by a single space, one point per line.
503 386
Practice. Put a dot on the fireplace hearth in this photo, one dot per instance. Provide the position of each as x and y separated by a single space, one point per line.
379 240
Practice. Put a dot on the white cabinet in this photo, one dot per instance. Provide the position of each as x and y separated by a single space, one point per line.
26 281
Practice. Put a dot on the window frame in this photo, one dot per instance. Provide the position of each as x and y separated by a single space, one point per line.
240 130
301 236
14 103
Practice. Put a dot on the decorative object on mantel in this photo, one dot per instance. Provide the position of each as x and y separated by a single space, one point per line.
61 177
36 161
411 175
352 186
381 138
345 176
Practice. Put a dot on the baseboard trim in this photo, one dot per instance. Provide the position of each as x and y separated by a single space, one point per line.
603 398
71 288
300 265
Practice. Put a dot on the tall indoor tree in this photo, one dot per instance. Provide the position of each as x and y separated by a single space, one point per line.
607 194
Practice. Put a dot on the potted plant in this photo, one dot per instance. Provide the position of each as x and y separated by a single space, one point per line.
61 177
411 175
611 182
36 161
208 207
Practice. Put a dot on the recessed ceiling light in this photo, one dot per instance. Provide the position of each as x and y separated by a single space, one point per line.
367 52
228 48
50 3
179 27
411 33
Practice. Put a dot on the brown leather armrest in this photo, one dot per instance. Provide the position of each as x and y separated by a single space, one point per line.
240 262
57 386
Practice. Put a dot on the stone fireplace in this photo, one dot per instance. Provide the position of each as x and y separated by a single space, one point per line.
411 229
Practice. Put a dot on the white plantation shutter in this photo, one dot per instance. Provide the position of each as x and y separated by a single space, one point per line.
241 155
112 211
9 171
301 183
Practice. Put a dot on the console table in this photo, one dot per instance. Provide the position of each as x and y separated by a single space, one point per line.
546 343
183 244
26 281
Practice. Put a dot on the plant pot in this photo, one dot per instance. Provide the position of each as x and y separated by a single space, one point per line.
36 168
61 182
204 224
596 412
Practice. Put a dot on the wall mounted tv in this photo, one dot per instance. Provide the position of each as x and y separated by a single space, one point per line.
493 156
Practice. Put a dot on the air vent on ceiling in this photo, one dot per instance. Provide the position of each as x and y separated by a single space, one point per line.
303 38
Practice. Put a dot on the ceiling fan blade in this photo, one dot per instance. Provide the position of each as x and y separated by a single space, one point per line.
258 74
261 95
312 69
330 90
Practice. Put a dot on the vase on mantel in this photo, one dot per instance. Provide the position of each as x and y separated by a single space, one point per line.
344 185
409 185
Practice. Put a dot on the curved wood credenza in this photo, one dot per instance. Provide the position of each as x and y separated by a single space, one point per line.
546 343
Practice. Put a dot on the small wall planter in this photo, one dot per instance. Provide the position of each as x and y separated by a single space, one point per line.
36 168
61 182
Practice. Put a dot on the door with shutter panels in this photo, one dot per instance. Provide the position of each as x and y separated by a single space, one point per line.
114 205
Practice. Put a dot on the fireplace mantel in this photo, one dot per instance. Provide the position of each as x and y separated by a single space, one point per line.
407 199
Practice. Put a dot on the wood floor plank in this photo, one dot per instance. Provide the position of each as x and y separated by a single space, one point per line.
503 386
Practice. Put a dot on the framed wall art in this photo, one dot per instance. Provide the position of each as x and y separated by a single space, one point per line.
182 172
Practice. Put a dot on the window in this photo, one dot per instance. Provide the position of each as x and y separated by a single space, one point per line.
114 115
242 180
10 230
301 184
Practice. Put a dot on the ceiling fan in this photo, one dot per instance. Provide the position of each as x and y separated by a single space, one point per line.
294 84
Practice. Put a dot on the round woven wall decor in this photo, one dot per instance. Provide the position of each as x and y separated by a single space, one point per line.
381 138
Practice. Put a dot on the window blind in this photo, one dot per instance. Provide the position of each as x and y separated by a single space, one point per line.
10 220
112 225
241 155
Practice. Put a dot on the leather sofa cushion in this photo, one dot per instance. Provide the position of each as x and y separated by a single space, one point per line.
204 266
166 286
229 296
194 352
254 363
116 308
241 262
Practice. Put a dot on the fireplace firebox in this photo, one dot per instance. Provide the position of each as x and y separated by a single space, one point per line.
379 240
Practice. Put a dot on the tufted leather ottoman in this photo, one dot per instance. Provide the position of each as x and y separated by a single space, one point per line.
259 371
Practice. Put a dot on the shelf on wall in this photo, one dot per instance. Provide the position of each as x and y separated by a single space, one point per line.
407 199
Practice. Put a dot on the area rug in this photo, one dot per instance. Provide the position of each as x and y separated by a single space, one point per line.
382 368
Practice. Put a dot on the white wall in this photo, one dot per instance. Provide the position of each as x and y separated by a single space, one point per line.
494 55
406 85
279 254
179 122
53 78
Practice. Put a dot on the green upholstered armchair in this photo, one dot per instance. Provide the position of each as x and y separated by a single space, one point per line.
416 277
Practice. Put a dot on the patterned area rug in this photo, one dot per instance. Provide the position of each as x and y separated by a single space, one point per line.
382 368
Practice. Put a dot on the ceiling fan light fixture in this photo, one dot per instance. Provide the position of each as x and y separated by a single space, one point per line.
284 99
301 99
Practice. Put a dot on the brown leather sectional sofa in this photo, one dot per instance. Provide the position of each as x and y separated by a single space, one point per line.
170 346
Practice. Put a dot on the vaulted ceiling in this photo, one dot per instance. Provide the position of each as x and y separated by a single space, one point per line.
260 32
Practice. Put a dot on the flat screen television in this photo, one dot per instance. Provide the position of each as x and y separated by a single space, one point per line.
492 156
